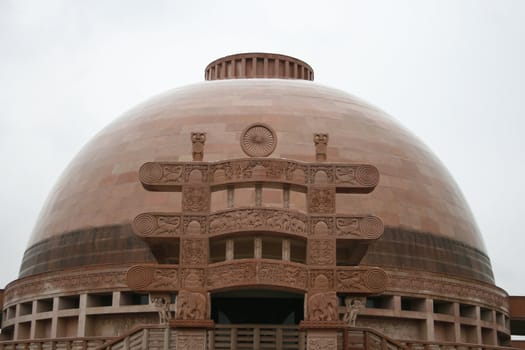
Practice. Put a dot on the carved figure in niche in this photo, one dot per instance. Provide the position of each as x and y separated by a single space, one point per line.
172 173
163 308
322 200
348 225
323 307
352 307
191 305
195 198
167 224
321 252
194 251
198 139
321 143
194 279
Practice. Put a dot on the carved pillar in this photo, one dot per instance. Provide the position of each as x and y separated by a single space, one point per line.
192 318
321 303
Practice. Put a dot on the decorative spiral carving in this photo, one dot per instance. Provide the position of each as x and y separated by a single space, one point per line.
144 224
376 280
367 175
150 172
258 140
371 227
139 277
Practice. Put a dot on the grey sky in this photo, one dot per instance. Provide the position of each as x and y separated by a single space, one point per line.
453 72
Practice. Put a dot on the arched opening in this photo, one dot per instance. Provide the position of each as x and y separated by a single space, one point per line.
257 306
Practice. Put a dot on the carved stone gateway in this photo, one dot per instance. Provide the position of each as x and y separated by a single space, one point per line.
321 227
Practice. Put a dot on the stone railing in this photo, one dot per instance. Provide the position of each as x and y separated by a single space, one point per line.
90 343
248 336
436 345
143 337
368 339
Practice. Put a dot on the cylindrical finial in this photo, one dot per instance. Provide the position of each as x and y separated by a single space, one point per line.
258 65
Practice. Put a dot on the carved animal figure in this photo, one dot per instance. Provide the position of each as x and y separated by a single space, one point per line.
191 306
348 225
167 224
279 221
322 307
171 173
163 308
351 280
352 307
164 278
345 175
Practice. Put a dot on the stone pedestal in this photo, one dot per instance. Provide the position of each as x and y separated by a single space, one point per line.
321 335
191 334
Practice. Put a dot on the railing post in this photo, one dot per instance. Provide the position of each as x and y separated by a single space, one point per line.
167 338
233 338
345 338
279 339
211 339
145 339
365 340
383 343
302 340
256 338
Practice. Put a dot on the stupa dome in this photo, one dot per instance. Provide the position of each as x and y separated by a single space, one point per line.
86 220
257 184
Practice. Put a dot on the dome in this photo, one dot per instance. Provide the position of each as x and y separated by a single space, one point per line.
256 189
87 217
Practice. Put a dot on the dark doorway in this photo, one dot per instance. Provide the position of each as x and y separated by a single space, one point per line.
257 307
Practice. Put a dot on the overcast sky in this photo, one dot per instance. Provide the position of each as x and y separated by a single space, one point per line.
453 72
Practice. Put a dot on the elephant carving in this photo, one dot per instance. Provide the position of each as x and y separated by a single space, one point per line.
191 306
323 307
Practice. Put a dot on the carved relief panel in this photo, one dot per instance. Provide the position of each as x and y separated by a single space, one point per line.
321 251
168 176
192 305
321 199
322 306
153 277
194 251
196 198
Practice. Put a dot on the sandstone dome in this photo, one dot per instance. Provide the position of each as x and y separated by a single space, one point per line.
256 197
86 220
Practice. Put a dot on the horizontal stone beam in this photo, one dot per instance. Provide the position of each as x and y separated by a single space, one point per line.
170 176
258 272
162 225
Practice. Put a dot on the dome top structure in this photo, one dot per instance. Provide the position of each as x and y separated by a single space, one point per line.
258 65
